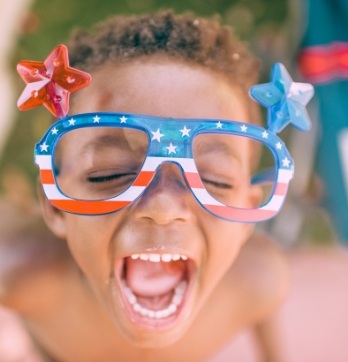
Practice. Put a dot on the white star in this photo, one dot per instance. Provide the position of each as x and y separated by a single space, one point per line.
72 122
185 131
286 162
264 134
171 148
44 147
54 130
123 119
157 135
279 146
243 128
219 125
96 119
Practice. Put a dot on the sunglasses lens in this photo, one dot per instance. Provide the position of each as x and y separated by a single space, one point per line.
232 171
100 162
96 163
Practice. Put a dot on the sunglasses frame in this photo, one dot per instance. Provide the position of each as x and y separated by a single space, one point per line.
153 126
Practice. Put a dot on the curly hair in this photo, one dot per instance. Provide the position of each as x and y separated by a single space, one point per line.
185 37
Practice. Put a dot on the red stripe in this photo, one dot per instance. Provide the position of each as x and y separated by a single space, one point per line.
89 207
320 64
281 189
241 215
47 177
144 178
194 180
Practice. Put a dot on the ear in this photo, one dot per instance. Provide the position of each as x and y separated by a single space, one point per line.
54 218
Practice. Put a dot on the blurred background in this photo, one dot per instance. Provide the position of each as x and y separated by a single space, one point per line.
275 30
311 38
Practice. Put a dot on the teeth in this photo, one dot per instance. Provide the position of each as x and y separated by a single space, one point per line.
166 257
155 258
177 298
130 296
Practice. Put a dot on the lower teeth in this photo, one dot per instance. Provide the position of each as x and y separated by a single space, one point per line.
177 298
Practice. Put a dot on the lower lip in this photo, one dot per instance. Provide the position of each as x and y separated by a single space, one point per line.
146 323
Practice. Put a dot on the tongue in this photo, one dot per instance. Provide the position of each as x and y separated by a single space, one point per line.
150 279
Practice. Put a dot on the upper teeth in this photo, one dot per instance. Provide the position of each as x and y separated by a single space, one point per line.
159 257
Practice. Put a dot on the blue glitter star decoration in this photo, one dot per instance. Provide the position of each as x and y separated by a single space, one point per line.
285 100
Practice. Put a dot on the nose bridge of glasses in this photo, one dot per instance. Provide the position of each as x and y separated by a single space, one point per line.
170 171
183 169
169 178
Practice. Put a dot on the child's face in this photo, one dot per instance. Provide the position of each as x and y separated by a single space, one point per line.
166 221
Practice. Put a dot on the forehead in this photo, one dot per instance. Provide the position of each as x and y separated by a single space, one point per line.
162 87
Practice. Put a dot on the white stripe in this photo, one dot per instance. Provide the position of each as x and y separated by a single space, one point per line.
53 193
274 204
204 197
284 176
152 163
131 194
44 162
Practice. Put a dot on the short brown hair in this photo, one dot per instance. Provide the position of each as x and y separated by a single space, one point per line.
186 37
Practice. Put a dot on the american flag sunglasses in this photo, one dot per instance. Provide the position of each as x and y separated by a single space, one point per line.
168 140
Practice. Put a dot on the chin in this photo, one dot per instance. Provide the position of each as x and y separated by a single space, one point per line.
155 340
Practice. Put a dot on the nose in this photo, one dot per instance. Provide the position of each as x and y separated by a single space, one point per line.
167 198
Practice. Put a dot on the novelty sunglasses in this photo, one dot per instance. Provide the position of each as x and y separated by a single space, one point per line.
98 163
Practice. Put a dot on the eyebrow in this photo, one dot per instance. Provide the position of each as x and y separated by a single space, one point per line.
124 141
100 142
222 147
105 141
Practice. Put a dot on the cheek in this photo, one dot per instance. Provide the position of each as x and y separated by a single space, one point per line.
89 242
225 243
232 234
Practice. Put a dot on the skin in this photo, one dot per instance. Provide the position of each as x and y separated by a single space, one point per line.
97 243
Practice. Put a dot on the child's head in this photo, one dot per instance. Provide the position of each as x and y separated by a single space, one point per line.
154 263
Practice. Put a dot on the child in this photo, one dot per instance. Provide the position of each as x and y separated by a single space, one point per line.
154 242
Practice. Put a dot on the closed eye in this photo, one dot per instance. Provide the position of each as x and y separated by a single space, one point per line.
108 178
220 185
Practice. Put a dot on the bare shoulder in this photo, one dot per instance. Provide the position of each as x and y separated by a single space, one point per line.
15 343
30 258
260 274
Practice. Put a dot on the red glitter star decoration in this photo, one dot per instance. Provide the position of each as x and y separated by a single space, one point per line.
50 82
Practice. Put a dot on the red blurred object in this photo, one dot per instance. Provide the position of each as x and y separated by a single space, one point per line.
50 82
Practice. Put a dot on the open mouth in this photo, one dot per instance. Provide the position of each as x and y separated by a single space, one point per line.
155 287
